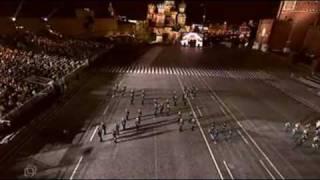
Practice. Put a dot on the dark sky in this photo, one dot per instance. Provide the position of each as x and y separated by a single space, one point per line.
234 11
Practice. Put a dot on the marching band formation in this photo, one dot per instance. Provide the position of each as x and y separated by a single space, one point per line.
301 133
159 109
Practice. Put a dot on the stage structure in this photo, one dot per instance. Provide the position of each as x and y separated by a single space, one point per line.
192 39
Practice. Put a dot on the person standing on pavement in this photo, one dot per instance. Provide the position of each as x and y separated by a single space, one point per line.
100 133
127 114
155 101
123 122
118 128
139 112
137 122
193 123
168 109
155 109
114 134
185 99
132 99
167 102
315 143
179 115
175 100
181 122
287 126
132 96
123 90
161 108
142 99
104 128
190 116
195 92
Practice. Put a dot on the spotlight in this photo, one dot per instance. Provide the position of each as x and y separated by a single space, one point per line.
45 19
13 19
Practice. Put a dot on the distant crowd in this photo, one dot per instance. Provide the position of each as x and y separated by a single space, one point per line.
26 54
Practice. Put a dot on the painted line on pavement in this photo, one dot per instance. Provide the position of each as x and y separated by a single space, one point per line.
106 109
227 167
244 130
226 114
244 139
255 143
76 168
265 167
104 112
155 154
199 111
202 133
94 132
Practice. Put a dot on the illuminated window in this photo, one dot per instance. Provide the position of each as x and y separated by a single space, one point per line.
289 5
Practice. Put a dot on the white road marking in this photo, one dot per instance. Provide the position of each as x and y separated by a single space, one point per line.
155 156
203 135
199 111
120 69
245 131
244 139
226 114
105 110
256 145
76 168
94 132
139 70
227 167
265 167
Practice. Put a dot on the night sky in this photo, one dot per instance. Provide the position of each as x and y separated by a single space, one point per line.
233 11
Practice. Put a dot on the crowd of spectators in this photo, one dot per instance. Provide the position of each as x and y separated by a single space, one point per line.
25 55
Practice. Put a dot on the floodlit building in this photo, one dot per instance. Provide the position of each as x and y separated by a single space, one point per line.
192 39
166 20
296 27
302 15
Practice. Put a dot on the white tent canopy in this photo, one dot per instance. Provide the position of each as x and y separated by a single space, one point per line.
192 36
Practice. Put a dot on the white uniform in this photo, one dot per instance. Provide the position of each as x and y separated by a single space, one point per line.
315 143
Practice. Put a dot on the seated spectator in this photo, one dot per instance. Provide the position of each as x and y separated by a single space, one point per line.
26 54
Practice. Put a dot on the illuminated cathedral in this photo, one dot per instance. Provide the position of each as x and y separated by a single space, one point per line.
166 18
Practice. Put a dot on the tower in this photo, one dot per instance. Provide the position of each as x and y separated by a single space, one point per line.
168 5
182 7
160 16
151 12
181 18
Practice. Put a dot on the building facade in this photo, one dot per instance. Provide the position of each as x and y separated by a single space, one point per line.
302 15
166 19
